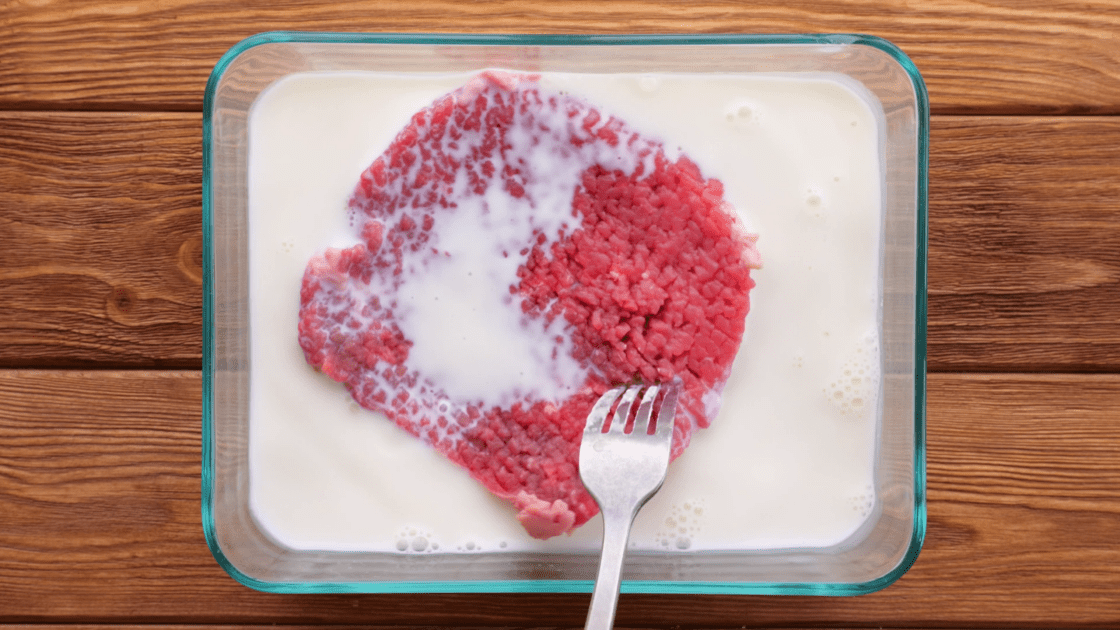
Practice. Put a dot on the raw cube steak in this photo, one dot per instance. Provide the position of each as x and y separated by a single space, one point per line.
621 258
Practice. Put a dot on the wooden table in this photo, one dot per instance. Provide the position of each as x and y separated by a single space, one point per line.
101 307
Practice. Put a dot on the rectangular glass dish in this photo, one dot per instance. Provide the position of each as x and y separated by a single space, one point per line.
237 400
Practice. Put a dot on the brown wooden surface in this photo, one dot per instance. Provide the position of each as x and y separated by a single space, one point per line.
102 233
1024 266
100 325
1023 517
1012 56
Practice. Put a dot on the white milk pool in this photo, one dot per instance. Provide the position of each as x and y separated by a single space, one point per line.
789 460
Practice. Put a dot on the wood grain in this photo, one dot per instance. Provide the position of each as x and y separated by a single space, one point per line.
332 627
99 485
1024 222
1005 56
101 223
308 627
101 220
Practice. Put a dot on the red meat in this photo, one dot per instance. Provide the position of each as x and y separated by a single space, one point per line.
652 285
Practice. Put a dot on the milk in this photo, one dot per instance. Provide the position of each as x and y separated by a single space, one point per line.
788 462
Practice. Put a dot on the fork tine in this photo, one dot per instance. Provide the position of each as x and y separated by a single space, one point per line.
668 411
598 415
618 424
645 411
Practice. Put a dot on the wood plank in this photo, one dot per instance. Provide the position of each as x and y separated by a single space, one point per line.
1024 221
100 216
101 222
99 485
1003 56
224 626
332 627
308 627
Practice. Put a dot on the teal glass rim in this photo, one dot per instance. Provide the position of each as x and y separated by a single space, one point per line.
571 586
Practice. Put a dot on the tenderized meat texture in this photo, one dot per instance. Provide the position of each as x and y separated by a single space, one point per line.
650 284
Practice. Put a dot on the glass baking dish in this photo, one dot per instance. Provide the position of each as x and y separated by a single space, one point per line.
874 556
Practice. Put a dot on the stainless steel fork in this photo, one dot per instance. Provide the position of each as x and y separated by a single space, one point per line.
623 462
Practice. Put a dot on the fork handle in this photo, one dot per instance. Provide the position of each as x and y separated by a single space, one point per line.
604 599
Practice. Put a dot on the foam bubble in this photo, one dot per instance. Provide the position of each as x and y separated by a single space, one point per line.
815 202
864 502
416 540
743 114
680 526
856 386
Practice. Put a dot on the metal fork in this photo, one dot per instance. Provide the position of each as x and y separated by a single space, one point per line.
622 470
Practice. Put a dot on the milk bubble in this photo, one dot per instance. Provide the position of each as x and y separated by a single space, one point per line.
416 540
854 387
649 83
864 502
680 526
743 115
